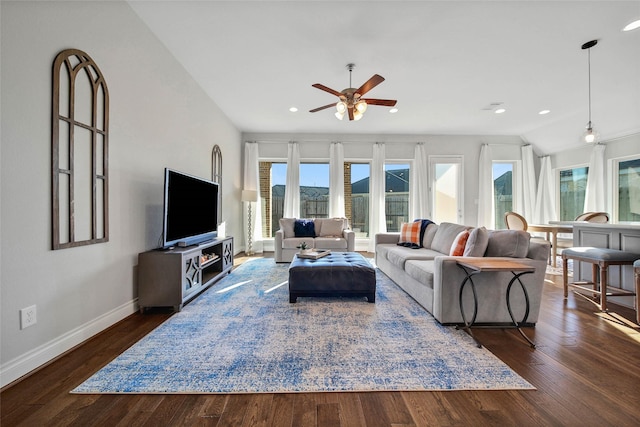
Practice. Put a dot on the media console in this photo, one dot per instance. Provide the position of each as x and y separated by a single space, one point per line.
171 278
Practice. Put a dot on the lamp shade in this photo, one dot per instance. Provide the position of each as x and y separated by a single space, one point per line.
249 196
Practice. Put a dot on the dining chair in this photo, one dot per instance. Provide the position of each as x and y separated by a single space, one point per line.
600 217
515 221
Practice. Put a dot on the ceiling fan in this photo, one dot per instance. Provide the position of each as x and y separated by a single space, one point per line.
351 101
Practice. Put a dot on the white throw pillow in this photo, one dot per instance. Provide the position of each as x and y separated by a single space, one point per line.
332 227
286 225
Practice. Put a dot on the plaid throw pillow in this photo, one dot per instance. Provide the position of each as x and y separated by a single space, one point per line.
410 234
459 243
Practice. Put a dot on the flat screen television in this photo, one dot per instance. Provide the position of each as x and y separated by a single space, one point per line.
190 209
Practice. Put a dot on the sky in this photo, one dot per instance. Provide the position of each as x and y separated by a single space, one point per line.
317 174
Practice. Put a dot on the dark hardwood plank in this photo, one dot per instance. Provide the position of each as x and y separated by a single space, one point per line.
586 370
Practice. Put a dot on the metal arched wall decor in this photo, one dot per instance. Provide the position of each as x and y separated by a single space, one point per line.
216 174
80 151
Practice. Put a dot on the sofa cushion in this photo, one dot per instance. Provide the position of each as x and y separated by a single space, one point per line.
421 270
398 255
286 225
429 233
445 235
508 243
410 234
294 242
330 243
304 228
477 242
331 227
457 247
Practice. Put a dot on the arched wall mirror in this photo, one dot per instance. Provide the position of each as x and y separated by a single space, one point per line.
80 148
216 174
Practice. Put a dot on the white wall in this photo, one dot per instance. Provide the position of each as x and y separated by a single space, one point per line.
158 118
398 147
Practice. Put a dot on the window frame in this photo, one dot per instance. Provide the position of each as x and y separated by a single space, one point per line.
557 172
613 177
435 159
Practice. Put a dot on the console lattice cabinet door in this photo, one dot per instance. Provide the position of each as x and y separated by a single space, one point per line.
171 278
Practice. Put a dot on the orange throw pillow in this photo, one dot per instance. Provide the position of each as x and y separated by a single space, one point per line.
410 233
457 248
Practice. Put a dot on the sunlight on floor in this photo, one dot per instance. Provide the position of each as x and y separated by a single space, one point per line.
233 287
622 324
276 287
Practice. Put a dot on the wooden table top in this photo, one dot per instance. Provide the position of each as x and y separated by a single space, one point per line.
492 264
558 228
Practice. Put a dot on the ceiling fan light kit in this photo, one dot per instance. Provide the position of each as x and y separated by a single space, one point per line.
351 101
590 136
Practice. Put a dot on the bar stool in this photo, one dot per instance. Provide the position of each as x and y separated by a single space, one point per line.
636 271
600 259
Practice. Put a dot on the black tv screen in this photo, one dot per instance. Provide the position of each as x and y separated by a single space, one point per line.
190 209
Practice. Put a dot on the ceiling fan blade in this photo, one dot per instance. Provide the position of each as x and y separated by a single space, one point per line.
384 102
323 107
327 89
350 112
370 84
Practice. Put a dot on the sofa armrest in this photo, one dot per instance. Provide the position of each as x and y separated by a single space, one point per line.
350 237
387 238
490 287
279 236
539 250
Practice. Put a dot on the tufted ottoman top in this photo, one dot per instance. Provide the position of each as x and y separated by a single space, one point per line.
332 261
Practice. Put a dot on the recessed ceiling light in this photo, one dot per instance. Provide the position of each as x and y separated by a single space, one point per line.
543 112
293 109
632 26
393 110
500 111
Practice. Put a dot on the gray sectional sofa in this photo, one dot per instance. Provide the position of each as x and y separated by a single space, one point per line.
431 276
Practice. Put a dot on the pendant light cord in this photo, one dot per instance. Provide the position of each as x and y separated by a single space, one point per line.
589 74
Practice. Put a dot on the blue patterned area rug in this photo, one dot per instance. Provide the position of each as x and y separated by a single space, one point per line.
243 336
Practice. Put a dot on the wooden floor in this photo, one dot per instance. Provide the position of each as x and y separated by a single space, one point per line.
586 369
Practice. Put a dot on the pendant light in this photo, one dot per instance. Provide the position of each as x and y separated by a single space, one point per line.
590 136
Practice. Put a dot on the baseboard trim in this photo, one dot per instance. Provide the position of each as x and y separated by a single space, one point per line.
41 355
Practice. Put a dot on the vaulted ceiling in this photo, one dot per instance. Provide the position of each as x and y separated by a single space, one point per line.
445 62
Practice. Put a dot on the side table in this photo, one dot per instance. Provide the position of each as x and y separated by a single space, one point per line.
473 266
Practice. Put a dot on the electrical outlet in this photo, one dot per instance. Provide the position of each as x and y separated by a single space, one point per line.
28 317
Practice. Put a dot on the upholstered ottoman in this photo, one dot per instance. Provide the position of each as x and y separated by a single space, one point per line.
339 273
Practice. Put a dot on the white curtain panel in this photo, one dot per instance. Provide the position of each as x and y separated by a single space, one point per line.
336 180
292 189
594 198
485 188
377 217
419 185
545 209
252 182
528 183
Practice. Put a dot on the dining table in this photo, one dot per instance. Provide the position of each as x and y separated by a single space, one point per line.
551 231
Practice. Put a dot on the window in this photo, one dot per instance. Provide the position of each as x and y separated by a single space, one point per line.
357 197
273 177
314 190
396 198
446 189
627 177
573 185
503 186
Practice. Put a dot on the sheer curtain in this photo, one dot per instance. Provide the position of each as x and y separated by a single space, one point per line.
485 188
528 183
377 217
292 188
594 198
252 182
545 209
336 180
419 182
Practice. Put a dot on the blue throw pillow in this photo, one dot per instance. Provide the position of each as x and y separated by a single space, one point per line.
304 228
